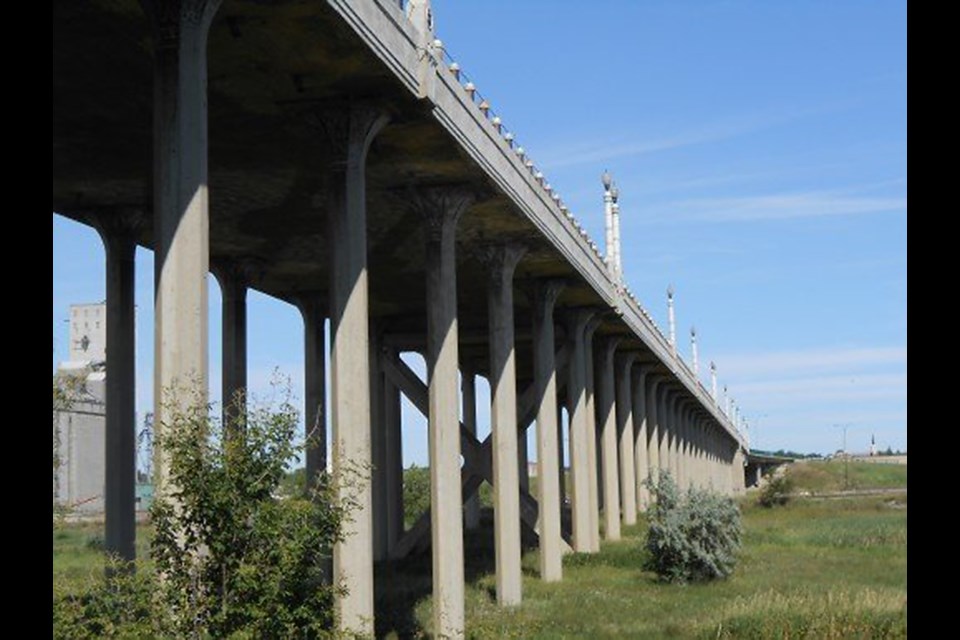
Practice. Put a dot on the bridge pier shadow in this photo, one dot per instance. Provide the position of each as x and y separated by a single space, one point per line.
400 586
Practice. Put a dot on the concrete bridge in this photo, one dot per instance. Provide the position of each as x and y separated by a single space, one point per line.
330 155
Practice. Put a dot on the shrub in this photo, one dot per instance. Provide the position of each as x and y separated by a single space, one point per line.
235 558
776 491
693 537
416 493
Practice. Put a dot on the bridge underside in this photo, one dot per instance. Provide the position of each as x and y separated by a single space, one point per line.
282 78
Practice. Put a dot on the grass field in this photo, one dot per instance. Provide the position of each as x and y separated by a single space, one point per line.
817 476
813 569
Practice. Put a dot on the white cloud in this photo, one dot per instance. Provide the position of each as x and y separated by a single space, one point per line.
822 359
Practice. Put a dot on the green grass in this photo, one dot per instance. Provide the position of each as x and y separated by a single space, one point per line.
833 569
812 569
828 476
78 552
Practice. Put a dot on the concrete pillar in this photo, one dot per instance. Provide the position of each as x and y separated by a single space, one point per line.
119 237
607 407
653 392
641 456
593 460
441 209
468 389
676 439
312 306
625 436
577 410
378 449
180 210
394 462
232 277
736 472
664 430
501 261
349 133
549 476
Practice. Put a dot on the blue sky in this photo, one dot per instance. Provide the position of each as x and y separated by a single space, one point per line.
760 152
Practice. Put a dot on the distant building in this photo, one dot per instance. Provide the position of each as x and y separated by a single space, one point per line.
873 445
79 431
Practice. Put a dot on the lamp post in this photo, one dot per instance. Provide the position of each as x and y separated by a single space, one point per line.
846 457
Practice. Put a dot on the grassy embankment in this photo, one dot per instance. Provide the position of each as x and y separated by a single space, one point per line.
824 569
815 476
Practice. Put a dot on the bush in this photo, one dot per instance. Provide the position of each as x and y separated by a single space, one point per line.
416 493
691 538
236 558
233 557
776 491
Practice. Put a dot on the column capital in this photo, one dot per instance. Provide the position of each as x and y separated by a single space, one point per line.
233 271
576 319
169 18
544 292
624 361
592 325
347 128
439 206
311 303
500 259
117 225
609 345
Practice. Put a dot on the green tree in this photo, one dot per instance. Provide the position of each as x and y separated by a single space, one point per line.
235 557
416 493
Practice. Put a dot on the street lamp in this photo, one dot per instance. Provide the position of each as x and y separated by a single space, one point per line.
846 457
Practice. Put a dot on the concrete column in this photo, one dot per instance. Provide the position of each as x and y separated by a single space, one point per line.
577 410
653 392
349 133
441 209
232 277
684 448
675 437
378 449
698 452
625 436
736 472
641 456
664 430
468 389
120 453
606 404
180 210
550 470
312 306
593 460
501 261
394 462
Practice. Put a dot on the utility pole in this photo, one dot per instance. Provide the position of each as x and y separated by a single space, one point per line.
846 457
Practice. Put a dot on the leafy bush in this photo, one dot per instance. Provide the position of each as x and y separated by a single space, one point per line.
416 493
776 491
693 537
233 557
119 603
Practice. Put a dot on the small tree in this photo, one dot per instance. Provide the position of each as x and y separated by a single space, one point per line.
234 557
776 491
691 538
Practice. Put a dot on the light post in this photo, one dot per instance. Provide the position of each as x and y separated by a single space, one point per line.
846 457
